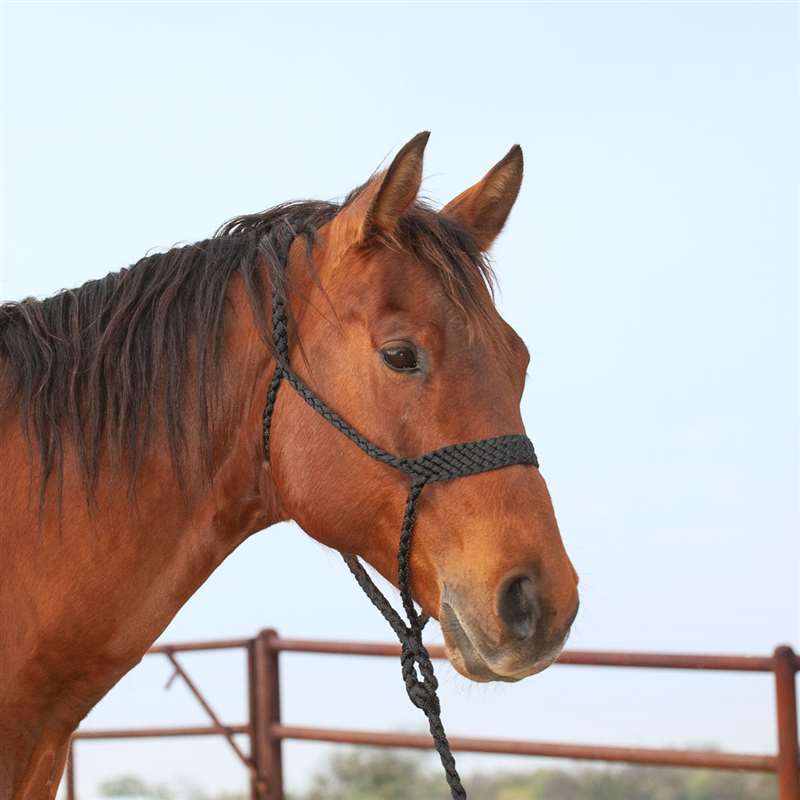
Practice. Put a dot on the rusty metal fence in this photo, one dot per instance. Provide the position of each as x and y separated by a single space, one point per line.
266 730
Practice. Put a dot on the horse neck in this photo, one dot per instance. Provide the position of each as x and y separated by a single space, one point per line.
88 590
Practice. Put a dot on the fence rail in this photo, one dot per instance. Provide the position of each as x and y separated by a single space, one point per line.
266 731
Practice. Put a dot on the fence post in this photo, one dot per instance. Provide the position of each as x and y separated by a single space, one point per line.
70 774
786 704
258 783
265 711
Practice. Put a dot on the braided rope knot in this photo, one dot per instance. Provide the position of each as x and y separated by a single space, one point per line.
422 693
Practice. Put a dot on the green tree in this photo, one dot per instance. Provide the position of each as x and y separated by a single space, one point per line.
380 775
133 786
387 775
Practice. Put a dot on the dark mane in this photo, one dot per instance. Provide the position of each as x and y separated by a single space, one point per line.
96 365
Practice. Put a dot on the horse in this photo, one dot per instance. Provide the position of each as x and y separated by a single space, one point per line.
132 458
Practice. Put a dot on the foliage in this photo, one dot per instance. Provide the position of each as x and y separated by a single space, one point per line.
386 775
373 775
130 786
389 775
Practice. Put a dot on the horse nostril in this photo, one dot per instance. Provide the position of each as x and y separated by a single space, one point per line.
517 606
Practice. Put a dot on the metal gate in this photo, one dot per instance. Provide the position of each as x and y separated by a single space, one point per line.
266 730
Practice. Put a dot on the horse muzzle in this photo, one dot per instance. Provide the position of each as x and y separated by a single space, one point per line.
523 636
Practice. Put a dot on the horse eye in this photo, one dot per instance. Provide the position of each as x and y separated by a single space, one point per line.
402 359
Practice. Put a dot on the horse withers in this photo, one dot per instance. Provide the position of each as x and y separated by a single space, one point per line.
132 460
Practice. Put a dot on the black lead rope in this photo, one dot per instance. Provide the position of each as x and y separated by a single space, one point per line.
454 461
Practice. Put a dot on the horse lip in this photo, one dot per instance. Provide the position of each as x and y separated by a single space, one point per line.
474 664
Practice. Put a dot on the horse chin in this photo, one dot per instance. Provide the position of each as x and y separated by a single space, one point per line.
467 659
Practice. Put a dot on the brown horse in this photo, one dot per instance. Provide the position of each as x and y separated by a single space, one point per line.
132 459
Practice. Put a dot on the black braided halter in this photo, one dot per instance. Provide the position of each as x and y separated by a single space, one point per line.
453 461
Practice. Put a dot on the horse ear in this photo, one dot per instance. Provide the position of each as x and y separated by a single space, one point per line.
384 199
484 208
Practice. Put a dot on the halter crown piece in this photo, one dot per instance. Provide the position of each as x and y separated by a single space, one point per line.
453 461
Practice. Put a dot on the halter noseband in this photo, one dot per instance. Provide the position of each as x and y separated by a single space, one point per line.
453 461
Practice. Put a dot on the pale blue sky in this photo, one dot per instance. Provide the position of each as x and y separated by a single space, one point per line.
650 265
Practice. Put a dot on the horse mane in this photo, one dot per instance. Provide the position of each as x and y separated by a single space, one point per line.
96 365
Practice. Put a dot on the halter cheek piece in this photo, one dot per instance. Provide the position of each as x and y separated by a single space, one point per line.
454 461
